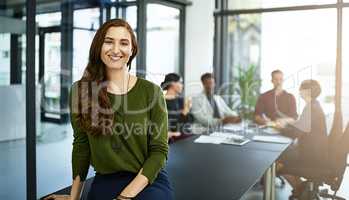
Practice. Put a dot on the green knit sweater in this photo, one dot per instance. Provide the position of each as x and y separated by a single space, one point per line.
139 139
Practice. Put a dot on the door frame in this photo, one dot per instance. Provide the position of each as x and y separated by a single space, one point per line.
42 31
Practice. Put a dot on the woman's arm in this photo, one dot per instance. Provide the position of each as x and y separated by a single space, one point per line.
136 185
81 148
76 188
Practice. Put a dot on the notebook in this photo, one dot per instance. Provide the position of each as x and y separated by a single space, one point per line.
272 139
222 138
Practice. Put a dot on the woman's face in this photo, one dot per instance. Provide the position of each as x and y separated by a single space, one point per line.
305 94
116 48
177 86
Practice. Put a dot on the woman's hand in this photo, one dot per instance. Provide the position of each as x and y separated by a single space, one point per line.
278 125
174 134
58 197
283 122
187 106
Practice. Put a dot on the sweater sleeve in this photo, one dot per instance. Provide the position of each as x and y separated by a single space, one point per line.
157 136
81 148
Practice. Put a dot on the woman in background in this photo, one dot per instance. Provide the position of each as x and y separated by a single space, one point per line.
310 151
179 117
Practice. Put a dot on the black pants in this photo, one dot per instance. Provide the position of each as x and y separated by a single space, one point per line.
109 186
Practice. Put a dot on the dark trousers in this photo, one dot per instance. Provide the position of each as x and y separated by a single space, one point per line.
109 186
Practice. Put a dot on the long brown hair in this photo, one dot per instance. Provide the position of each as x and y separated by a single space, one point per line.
95 113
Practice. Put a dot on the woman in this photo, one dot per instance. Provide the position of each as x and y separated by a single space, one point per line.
310 129
119 123
178 110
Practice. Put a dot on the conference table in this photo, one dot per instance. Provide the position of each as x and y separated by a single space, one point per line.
222 171
217 171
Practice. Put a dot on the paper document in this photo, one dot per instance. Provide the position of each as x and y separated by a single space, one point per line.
272 139
235 141
233 127
222 138
271 131
226 135
209 139
230 138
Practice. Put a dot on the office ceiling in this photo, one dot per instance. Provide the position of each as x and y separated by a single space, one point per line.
9 7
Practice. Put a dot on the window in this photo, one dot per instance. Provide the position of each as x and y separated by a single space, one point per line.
5 58
13 98
273 41
162 42
86 18
48 19
255 4
86 21
129 13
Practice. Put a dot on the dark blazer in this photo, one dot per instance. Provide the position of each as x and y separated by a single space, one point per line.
177 121
311 132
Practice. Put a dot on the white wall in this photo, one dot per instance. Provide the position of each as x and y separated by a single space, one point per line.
199 43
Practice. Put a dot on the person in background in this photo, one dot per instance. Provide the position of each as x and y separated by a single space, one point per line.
275 104
210 110
310 130
178 108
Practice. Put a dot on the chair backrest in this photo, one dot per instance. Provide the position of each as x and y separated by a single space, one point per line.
345 140
337 162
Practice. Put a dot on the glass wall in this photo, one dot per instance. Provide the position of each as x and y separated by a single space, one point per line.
255 4
273 41
86 22
297 37
162 41
64 38
129 13
12 101
5 39
300 42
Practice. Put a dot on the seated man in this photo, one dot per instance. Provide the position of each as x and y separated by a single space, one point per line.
275 104
209 109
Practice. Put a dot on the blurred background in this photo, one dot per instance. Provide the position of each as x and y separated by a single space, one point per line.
190 38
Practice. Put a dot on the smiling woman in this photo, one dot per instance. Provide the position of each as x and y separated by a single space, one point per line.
105 103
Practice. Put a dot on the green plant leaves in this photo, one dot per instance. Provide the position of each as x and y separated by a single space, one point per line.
246 84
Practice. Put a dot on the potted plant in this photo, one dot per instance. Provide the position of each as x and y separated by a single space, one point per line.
246 84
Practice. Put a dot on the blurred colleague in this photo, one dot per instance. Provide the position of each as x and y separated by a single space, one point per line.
310 151
209 109
179 118
276 103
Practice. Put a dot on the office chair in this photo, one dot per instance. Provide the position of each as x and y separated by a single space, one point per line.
315 178
331 174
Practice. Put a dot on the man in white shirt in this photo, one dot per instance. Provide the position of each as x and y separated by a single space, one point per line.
210 110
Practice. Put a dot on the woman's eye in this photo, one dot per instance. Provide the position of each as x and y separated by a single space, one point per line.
124 43
108 42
